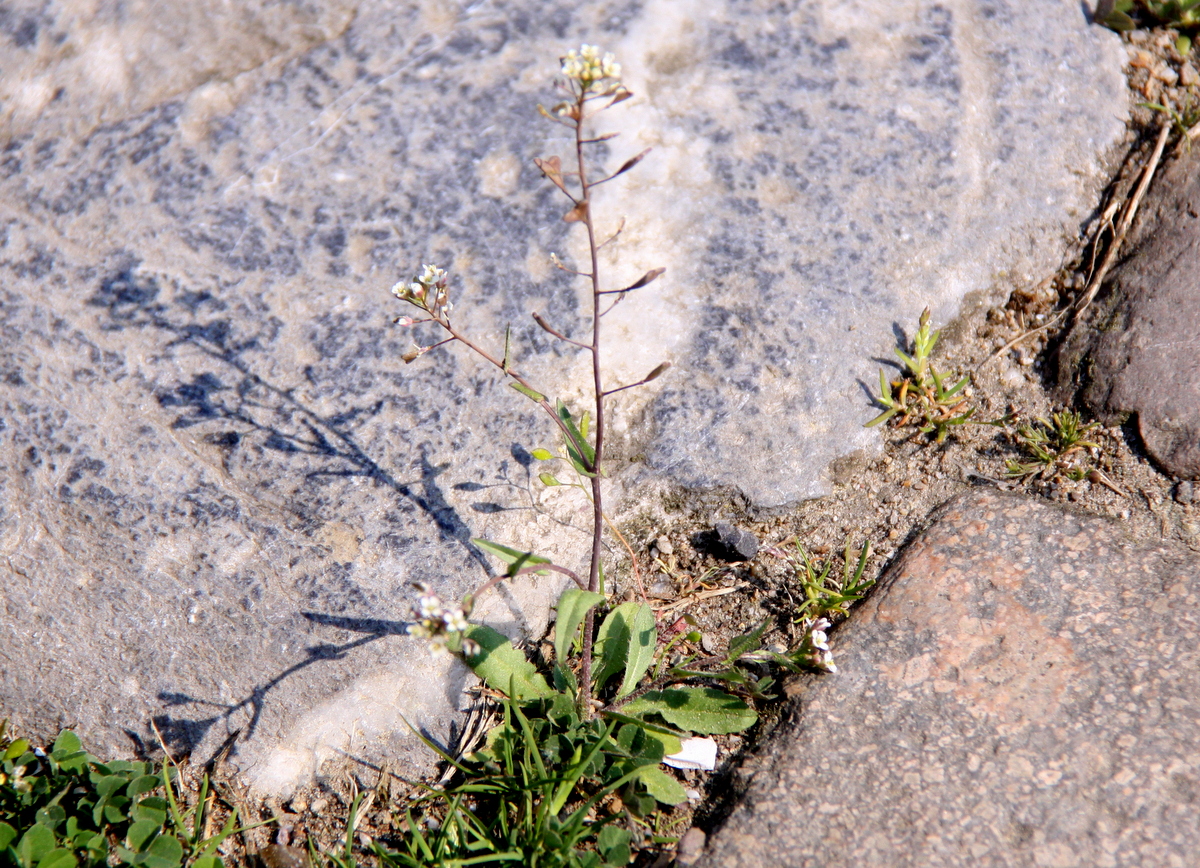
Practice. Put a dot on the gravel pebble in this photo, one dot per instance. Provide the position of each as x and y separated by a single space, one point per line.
690 846
738 542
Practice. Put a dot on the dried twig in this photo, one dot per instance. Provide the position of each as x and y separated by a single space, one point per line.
1008 346
702 595
1130 212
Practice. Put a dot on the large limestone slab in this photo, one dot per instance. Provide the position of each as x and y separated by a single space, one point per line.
1023 689
217 478
1136 349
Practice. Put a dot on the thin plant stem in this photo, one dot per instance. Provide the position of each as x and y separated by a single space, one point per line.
598 386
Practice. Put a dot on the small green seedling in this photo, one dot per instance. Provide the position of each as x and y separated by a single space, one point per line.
1182 119
826 595
922 396
1055 445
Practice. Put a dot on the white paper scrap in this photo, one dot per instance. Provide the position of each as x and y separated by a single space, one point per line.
697 753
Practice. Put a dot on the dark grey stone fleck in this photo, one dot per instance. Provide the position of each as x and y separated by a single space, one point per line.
738 543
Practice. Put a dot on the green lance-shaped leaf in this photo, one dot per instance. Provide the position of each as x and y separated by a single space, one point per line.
581 453
704 710
626 642
516 559
747 643
541 454
531 394
662 786
503 667
573 606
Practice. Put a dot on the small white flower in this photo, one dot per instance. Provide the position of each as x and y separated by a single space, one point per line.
819 640
431 607
455 620
825 661
595 72
404 321
470 648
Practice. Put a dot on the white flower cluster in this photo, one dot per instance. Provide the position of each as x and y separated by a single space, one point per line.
594 72
816 644
441 623
428 292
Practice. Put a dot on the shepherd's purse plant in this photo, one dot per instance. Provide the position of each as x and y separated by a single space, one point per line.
588 726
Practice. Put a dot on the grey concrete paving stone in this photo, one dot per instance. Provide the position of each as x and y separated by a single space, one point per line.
1023 689
216 477
1136 349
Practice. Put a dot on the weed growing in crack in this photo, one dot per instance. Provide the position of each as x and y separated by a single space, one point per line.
1055 445
921 396
826 596
571 776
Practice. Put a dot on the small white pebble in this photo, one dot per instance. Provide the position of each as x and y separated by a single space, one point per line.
664 545
1165 74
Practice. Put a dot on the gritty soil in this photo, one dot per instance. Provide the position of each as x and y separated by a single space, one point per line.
885 500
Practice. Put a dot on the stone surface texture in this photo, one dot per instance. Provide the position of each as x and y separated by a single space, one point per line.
1137 347
1020 691
216 476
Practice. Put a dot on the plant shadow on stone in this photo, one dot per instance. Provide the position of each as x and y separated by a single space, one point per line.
242 409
